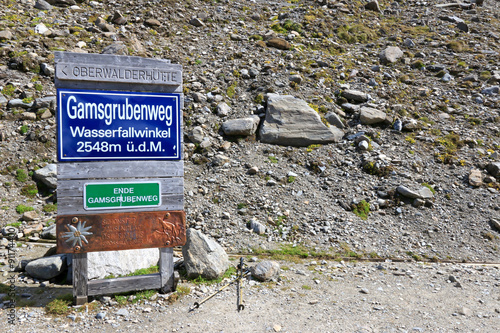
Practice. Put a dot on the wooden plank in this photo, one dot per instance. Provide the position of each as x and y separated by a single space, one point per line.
67 78
74 205
117 86
120 169
124 284
166 74
80 278
74 188
167 270
92 58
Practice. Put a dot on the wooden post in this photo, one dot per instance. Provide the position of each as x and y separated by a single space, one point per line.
167 269
80 278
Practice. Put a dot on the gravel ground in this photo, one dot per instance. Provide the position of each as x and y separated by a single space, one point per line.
312 296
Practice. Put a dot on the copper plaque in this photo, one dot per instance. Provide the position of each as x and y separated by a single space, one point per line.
120 231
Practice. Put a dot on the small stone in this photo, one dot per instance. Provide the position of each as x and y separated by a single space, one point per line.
355 96
422 193
41 29
364 291
279 43
494 169
409 43
122 312
495 224
118 19
418 203
242 126
465 311
30 216
5 35
47 69
296 78
117 48
398 125
271 182
446 78
373 5
335 120
196 22
490 90
277 328
463 26
257 227
265 270
223 109
100 315
363 145
236 37
390 54
152 23
475 178
43 5
369 116
253 170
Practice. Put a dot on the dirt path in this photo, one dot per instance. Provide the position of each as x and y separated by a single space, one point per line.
328 297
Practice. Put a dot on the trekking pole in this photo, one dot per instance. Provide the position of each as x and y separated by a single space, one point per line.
238 280
196 305
239 299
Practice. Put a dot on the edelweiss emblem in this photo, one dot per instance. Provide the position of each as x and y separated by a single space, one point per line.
77 234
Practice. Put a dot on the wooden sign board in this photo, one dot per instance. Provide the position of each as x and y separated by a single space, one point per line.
119 231
120 176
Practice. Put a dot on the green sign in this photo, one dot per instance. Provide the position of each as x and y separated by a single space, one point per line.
121 195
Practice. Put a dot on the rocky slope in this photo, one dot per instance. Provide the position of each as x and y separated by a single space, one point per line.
412 85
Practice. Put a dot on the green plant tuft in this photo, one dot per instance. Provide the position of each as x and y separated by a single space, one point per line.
21 175
20 209
362 209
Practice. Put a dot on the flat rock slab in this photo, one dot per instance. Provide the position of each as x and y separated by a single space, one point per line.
370 116
421 193
355 96
279 43
102 264
292 122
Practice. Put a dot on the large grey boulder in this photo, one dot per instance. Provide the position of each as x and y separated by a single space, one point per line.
203 256
243 126
47 175
102 264
292 122
266 270
47 268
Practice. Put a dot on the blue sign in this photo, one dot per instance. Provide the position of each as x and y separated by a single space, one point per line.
114 125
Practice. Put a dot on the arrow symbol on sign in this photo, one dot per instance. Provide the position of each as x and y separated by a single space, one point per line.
62 70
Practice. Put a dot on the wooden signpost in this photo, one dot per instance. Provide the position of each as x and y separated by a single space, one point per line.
120 172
